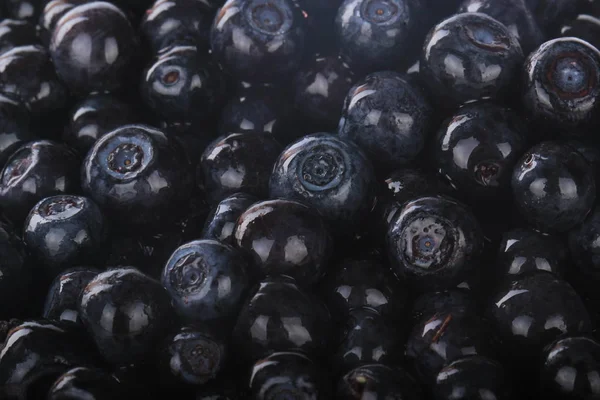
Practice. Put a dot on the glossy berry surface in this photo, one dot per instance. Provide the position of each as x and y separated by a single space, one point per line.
288 375
472 377
377 381
207 281
15 127
585 27
183 85
548 13
278 307
373 35
470 56
570 369
220 223
16 273
434 242
238 162
477 148
138 175
331 175
14 33
64 231
87 382
258 40
94 47
34 171
62 300
553 187
285 237
562 84
387 117
126 314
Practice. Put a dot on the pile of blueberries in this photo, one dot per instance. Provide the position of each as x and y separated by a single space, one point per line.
300 199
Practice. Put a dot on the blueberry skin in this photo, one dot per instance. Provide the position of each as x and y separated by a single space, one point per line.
16 274
50 15
580 356
585 246
585 27
278 307
532 311
377 381
28 10
473 378
457 333
63 295
138 176
15 33
288 374
454 301
238 162
207 281
15 127
35 354
183 84
85 382
553 187
174 23
192 356
259 40
373 35
561 85
140 314
387 117
477 148
220 223
470 56
550 13
434 242
327 173
36 170
285 237
368 338
591 152
28 76
93 117
524 251
514 14
320 88
94 47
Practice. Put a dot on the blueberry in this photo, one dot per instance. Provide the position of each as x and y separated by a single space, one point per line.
280 316
377 381
570 369
207 281
434 242
221 221
95 116
258 40
288 375
94 47
35 171
549 13
238 162
51 14
183 84
15 127
591 152
285 237
374 35
454 301
532 311
137 175
171 23
514 14
477 148
523 251
85 382
585 27
474 378
63 295
15 33
470 56
387 117
320 88
553 187
331 175
126 313
28 10
29 77
584 244
16 274
192 356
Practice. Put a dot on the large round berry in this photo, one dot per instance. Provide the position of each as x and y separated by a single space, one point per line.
470 56
553 187
562 85
258 40
94 47
62 300
329 174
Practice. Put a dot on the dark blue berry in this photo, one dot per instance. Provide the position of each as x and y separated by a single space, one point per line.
378 381
86 382
220 223
63 295
15 127
15 33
